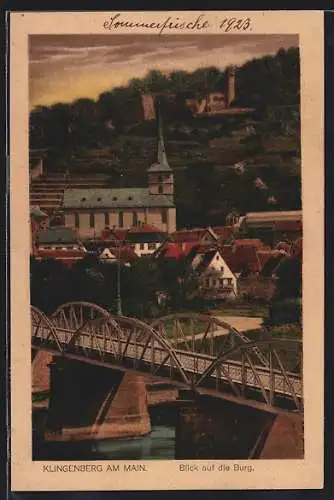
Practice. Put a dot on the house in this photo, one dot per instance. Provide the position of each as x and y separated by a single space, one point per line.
64 255
91 210
59 238
145 239
217 281
224 233
124 254
196 236
272 226
242 260
288 230
39 220
170 250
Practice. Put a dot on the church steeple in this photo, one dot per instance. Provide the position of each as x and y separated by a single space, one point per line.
161 156
161 164
160 174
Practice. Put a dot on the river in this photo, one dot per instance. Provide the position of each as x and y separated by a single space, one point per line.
159 444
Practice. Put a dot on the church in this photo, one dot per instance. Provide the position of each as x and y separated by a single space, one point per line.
90 211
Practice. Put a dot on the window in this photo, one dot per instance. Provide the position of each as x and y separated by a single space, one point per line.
120 219
77 221
160 189
164 216
134 218
222 269
91 221
106 219
151 246
160 178
142 246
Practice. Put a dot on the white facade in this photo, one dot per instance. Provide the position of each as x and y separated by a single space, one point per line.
107 254
144 249
217 278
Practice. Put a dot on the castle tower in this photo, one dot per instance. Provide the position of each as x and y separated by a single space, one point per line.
160 174
230 86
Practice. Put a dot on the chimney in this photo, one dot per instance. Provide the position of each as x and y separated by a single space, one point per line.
230 86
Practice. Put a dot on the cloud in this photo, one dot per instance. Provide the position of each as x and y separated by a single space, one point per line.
65 67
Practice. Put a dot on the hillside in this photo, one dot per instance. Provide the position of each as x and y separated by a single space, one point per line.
110 135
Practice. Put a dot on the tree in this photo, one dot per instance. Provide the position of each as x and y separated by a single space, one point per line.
48 284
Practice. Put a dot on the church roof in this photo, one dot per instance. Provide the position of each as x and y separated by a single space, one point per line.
114 198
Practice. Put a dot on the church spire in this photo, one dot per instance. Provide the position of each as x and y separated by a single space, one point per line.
161 164
161 156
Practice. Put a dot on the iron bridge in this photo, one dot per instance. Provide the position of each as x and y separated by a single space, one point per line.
192 350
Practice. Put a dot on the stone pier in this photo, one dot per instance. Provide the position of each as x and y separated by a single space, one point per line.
210 428
40 371
89 402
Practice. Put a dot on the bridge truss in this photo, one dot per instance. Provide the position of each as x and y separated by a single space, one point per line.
196 351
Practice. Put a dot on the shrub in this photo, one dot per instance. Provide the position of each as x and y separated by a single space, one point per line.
285 311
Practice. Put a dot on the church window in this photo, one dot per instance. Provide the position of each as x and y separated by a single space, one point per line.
160 189
91 220
77 221
160 179
164 216
134 218
120 219
106 219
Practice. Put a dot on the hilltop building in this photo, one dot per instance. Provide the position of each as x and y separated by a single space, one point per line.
215 103
90 211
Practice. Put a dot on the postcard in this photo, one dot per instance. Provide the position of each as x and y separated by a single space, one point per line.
166 250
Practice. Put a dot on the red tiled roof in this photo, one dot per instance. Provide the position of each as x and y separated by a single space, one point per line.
120 234
288 225
67 257
57 254
249 242
172 251
223 232
241 257
186 235
264 257
127 253
144 228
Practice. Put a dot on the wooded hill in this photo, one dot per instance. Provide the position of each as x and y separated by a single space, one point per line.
109 135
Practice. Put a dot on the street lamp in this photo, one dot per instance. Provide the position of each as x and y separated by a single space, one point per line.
118 283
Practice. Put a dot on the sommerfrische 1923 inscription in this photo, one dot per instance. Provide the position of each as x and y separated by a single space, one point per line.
197 24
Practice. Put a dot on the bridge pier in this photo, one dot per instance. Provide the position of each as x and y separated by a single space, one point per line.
40 371
212 428
89 402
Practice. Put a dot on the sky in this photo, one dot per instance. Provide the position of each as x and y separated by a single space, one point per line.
63 68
